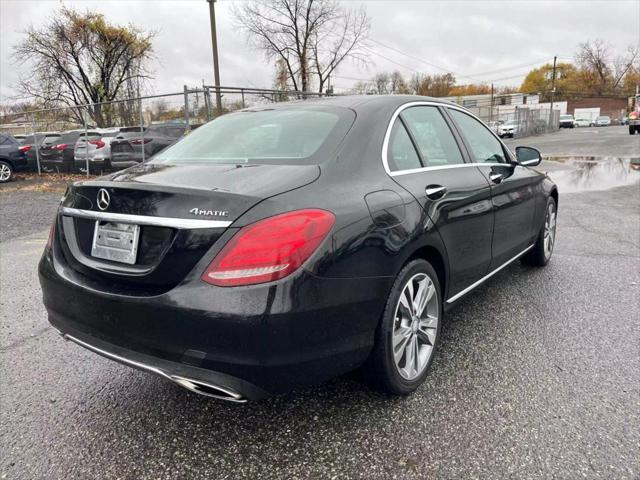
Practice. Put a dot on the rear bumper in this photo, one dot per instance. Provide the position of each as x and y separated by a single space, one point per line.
253 341
95 164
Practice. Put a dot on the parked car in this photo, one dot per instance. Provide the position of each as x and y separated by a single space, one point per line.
127 147
582 122
43 141
566 121
280 246
493 125
61 158
603 121
97 149
12 157
20 137
507 129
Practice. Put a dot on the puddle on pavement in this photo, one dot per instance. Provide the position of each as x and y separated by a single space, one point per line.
587 173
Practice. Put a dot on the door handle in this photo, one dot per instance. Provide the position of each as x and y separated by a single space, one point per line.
496 177
434 192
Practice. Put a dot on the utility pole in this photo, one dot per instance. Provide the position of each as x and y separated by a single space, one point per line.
214 46
553 88
491 106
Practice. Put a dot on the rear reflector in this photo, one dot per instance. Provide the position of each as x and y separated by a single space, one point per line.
269 249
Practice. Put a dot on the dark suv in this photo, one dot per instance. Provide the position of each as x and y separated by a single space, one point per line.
128 146
61 152
44 141
12 157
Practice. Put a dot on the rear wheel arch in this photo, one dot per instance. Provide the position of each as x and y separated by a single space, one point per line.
554 194
437 260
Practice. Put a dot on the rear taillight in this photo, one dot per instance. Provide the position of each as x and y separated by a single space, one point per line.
97 143
60 146
269 249
633 115
140 141
25 148
51 232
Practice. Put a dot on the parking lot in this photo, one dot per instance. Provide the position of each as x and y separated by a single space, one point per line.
536 375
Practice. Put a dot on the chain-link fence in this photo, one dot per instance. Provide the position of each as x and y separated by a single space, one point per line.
514 120
88 138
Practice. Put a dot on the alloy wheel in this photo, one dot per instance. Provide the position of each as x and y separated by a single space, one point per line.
549 230
5 172
415 326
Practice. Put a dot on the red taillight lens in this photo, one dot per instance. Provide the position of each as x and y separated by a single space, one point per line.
97 143
633 115
51 231
25 148
269 249
140 141
60 146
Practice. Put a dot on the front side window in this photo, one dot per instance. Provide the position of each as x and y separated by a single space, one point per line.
484 146
401 154
288 136
433 136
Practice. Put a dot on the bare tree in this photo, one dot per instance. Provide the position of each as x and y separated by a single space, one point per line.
600 73
82 59
593 58
309 36
381 81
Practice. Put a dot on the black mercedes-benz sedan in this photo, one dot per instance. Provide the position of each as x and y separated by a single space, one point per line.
279 246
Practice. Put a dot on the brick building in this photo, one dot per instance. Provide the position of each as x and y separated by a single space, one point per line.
616 108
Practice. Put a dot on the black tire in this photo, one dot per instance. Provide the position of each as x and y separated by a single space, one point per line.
381 369
539 256
632 130
6 171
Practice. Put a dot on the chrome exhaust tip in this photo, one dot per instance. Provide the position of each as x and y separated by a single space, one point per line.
208 389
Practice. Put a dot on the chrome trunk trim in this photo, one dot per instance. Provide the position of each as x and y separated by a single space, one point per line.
186 223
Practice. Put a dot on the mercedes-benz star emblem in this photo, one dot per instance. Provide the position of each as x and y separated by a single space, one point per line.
103 199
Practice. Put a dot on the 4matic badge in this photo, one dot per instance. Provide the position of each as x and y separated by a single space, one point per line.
209 213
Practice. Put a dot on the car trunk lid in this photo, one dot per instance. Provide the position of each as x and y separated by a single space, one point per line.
178 213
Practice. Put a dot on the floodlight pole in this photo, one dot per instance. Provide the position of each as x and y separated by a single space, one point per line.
214 47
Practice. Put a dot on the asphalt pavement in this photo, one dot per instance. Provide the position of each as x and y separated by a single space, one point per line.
537 374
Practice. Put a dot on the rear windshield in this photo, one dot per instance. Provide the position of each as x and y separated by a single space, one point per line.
109 134
566 117
131 132
49 139
71 137
290 136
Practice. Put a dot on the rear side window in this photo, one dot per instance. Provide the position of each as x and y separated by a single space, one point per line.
401 154
287 136
484 146
4 140
433 136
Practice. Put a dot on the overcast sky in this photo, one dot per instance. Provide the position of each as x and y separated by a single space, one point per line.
490 41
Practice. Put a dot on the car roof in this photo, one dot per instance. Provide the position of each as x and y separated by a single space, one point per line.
356 101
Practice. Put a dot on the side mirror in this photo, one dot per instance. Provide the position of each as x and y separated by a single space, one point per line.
528 156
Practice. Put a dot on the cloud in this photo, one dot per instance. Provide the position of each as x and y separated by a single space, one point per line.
465 37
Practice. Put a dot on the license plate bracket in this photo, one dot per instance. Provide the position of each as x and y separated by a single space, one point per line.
117 242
